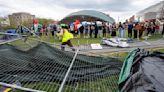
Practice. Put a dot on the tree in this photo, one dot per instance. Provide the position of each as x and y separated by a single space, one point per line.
0 27
45 21
9 27
1 19
28 23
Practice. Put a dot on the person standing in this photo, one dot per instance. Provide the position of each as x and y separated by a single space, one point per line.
130 28
81 29
100 31
108 29
44 30
120 28
163 30
124 27
149 29
86 31
91 30
96 30
135 31
141 30
104 30
48 30
54 29
157 28
114 28
39 30
153 27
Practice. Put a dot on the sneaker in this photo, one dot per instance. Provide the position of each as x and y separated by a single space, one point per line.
149 35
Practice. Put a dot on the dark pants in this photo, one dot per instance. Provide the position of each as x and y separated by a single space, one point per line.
67 43
153 31
140 33
96 32
104 33
113 33
90 33
163 31
130 33
52 32
81 33
135 34
149 30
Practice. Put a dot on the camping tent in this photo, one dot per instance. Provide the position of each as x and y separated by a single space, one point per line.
142 71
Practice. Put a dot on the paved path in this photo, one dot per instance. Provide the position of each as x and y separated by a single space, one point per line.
107 49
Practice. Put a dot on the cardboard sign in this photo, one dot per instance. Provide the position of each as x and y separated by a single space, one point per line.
96 46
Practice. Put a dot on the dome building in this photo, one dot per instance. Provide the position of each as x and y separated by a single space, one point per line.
87 15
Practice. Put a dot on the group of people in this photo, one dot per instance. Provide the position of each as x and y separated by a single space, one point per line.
90 30
133 29
46 30
123 30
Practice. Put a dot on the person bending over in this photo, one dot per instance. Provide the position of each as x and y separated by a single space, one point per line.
66 38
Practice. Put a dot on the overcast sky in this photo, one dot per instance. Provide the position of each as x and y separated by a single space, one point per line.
58 9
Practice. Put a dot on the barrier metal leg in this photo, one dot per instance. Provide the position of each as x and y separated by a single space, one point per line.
69 69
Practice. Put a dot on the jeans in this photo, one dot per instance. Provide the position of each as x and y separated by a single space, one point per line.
120 32
123 33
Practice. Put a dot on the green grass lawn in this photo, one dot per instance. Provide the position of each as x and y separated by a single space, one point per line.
155 37
122 55
86 41
75 41
108 84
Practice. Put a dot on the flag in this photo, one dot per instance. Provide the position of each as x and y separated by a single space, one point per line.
77 24
35 22
35 25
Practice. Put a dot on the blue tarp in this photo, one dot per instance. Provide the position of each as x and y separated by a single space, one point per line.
11 31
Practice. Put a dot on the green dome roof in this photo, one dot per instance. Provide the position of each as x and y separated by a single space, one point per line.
92 13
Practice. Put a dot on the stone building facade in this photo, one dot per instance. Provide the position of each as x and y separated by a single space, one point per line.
20 18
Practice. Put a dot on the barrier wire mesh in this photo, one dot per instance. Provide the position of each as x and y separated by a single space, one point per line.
44 67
